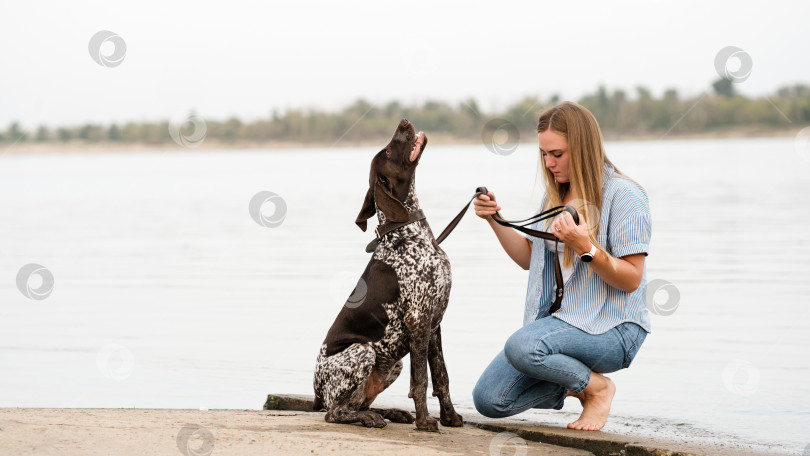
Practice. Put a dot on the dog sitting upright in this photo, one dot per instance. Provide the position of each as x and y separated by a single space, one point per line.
396 307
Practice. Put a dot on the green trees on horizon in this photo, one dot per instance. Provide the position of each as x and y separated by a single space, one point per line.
618 113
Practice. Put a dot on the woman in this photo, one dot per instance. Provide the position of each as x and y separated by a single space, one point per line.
602 319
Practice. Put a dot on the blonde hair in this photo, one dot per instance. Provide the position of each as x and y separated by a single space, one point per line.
586 165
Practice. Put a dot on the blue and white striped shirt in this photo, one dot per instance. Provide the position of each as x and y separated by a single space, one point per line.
590 304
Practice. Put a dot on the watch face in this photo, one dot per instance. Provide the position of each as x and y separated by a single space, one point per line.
587 257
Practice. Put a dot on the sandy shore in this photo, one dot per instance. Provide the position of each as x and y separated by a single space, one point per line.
237 432
245 432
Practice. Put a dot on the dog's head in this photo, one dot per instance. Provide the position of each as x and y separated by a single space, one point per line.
392 171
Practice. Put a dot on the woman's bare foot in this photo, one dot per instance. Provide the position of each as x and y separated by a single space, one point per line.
596 399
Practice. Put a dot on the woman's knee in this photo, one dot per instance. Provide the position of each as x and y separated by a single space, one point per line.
522 348
488 403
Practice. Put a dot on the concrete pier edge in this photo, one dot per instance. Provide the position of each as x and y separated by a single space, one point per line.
598 443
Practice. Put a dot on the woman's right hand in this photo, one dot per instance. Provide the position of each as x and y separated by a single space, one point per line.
519 248
485 205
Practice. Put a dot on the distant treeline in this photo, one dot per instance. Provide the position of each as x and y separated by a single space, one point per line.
618 113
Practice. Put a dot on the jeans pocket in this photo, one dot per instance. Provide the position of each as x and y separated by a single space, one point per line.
636 335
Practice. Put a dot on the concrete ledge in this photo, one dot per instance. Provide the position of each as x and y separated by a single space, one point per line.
598 443
289 402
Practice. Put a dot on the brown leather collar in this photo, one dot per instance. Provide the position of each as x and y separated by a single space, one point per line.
388 227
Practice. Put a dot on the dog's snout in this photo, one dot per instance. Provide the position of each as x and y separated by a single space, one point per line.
404 123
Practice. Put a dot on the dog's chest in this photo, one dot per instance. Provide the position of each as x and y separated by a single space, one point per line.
424 280
418 261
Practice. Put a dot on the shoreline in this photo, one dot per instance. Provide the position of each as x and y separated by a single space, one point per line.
75 146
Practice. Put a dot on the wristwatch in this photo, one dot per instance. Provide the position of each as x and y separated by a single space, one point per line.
588 256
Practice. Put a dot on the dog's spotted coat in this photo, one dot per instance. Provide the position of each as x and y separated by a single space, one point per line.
407 285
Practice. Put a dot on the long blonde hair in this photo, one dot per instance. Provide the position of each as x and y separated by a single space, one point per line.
586 165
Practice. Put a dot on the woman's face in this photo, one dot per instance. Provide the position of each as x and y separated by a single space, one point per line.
555 155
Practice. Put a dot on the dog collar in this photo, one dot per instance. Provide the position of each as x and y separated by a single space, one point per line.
388 227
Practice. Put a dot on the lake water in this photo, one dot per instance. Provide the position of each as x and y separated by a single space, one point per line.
168 294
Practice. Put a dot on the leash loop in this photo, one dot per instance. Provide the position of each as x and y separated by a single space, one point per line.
521 225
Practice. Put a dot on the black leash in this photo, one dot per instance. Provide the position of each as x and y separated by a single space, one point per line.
520 225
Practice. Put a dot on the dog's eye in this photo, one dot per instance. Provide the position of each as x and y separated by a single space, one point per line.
383 180
387 152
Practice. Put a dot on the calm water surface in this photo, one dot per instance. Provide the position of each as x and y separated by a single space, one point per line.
167 293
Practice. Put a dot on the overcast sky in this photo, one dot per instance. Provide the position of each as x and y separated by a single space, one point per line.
245 58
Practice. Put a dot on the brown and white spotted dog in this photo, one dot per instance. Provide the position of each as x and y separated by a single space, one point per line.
395 309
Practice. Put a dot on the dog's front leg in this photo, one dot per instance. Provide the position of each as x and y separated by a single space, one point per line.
441 383
418 325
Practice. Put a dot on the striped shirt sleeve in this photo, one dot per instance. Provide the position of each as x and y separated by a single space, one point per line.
630 223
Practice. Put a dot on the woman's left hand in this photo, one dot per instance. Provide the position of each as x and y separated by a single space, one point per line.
570 233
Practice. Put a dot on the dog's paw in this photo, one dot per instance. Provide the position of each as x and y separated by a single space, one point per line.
455 420
372 419
399 416
428 424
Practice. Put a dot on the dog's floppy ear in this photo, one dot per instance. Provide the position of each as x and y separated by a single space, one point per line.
393 209
367 210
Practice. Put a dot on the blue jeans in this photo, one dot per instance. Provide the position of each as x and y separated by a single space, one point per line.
545 359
